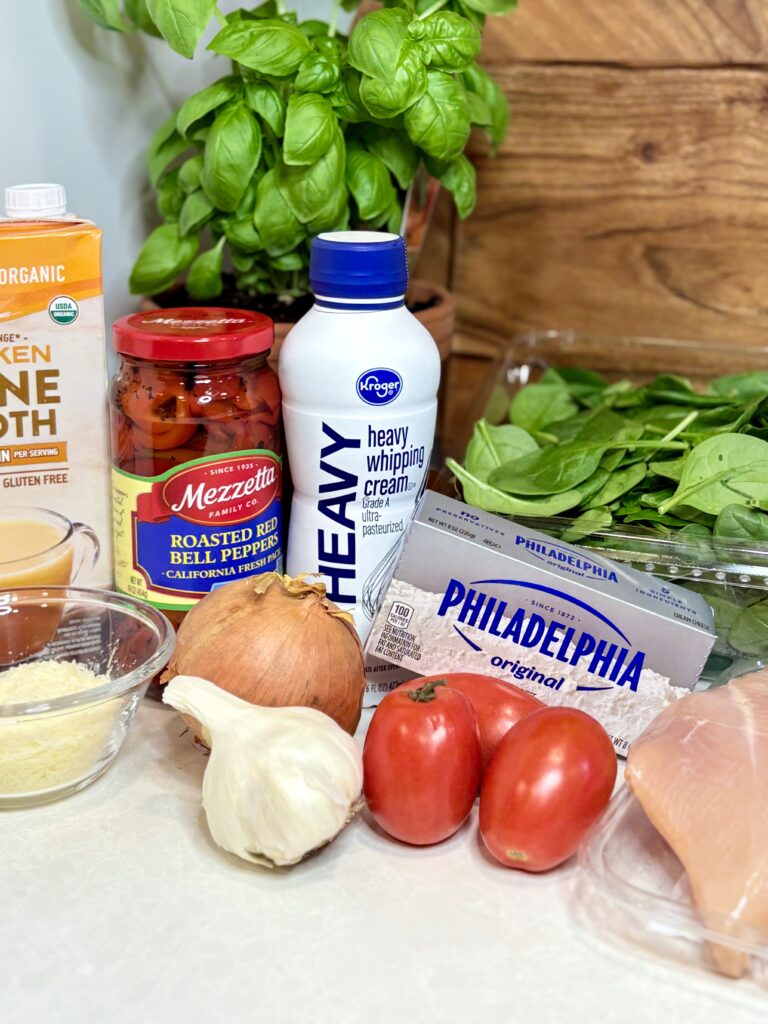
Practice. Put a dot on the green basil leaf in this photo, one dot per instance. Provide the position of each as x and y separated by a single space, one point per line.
181 22
137 13
205 101
270 46
369 182
334 217
479 112
490 6
268 103
204 277
196 211
190 173
310 127
439 122
376 42
447 41
106 13
406 83
317 73
162 258
242 234
395 218
475 17
169 196
291 261
478 81
459 177
396 150
164 155
313 28
268 9
242 261
276 223
312 191
248 201
345 98
231 153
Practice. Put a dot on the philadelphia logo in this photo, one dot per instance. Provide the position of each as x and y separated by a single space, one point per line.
612 663
379 386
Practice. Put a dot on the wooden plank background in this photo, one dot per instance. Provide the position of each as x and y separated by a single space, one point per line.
631 195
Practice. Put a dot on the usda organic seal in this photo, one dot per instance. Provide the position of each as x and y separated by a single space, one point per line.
63 309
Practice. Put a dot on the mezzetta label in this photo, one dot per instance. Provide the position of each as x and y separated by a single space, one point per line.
200 526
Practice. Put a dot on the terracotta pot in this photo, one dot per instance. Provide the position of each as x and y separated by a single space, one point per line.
439 318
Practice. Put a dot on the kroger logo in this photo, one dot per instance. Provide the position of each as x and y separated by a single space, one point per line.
379 386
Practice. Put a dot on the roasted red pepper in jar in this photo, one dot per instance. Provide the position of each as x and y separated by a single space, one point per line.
196 454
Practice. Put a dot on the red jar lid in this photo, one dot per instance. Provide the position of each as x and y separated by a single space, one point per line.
193 334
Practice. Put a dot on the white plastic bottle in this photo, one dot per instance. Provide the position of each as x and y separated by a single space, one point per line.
359 376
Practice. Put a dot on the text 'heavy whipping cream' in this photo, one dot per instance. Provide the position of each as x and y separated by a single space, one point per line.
359 376
54 497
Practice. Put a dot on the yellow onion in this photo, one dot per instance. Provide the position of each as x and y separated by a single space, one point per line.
276 641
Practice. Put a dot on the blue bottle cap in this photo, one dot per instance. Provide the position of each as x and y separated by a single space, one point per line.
358 265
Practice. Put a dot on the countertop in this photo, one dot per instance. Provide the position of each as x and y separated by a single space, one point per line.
117 907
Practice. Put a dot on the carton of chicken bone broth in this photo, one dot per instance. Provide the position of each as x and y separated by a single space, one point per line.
473 592
54 438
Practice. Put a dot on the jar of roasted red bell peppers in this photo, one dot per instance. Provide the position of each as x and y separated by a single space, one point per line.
196 454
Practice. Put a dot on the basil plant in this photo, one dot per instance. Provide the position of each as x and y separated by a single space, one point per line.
308 131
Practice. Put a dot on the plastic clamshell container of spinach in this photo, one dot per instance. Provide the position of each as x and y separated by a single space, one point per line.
653 451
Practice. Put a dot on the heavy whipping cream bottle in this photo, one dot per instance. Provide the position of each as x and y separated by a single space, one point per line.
359 377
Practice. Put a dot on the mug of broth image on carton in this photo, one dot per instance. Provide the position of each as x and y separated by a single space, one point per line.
54 434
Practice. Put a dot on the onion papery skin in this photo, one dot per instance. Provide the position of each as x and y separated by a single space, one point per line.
276 641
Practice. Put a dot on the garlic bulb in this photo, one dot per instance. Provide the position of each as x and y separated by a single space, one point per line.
280 782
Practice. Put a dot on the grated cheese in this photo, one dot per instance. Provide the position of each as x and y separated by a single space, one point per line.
43 752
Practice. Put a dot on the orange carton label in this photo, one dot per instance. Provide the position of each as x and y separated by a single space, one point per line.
54 448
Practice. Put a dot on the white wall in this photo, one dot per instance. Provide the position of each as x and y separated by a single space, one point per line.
79 105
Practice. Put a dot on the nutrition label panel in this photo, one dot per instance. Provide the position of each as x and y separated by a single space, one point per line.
396 643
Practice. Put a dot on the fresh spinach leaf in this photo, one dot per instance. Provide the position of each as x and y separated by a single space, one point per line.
588 522
749 632
618 483
735 522
725 469
492 446
740 386
536 406
482 495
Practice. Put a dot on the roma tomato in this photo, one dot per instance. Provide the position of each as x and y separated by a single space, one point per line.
548 782
421 763
498 705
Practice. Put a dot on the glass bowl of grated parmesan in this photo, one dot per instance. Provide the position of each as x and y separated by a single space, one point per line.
74 665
